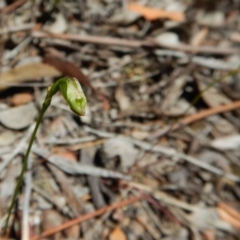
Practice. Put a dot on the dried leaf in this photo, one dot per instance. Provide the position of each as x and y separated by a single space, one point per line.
168 38
51 219
71 167
231 211
213 19
172 97
228 218
213 97
19 117
27 72
153 13
7 138
64 153
208 218
227 143
199 37
117 234
21 98
59 26
122 147
122 99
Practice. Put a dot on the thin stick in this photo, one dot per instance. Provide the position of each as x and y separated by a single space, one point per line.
87 217
210 112
12 6
196 117
134 43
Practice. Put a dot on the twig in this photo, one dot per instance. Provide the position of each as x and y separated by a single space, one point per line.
23 27
73 202
12 6
209 112
17 149
77 168
16 50
89 235
70 141
171 153
92 39
134 43
87 157
196 117
87 217
208 62
162 196
161 208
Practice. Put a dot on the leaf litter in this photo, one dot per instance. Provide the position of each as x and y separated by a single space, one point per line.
143 163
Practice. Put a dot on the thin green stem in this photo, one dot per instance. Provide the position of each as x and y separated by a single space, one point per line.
25 160
72 92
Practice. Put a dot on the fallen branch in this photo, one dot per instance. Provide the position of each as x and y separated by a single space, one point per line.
87 217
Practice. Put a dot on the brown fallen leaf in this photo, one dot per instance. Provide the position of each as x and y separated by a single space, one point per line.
122 99
26 73
229 210
198 39
117 234
153 13
228 214
64 153
21 98
69 69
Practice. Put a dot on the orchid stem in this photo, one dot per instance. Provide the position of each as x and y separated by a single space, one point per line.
74 96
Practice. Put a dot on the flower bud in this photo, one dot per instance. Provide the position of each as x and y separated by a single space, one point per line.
73 94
